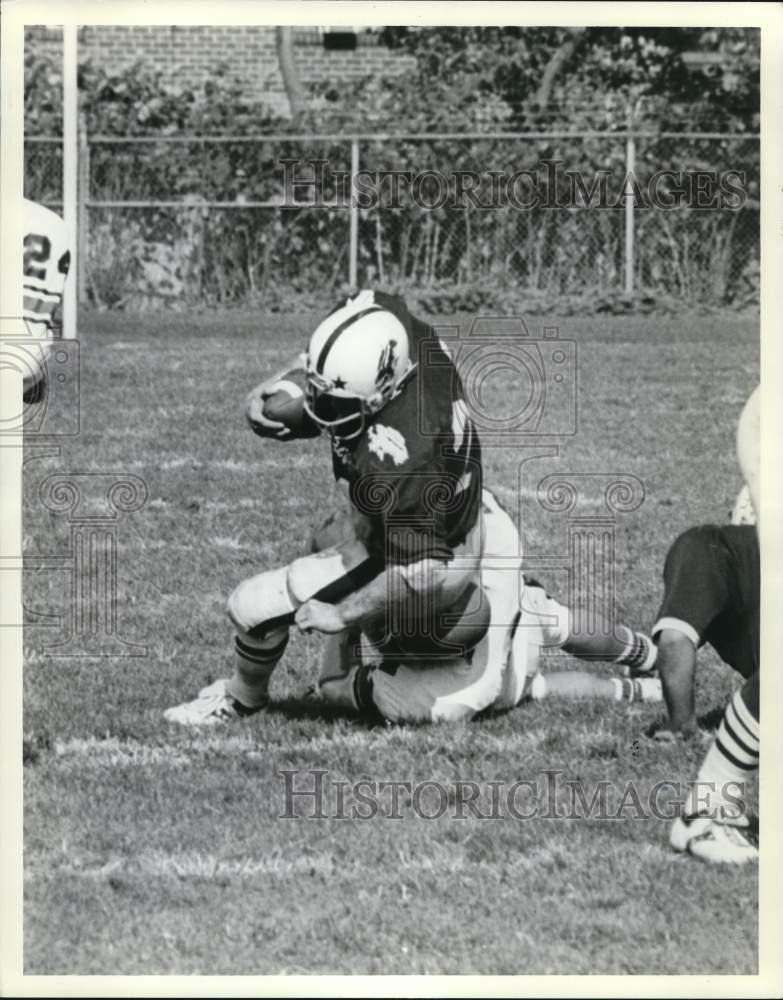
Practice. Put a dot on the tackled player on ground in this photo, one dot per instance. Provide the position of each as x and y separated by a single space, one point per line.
418 587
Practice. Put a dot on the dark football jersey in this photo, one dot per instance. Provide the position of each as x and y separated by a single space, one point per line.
415 471
712 582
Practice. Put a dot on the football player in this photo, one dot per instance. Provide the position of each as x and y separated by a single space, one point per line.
45 264
419 586
712 595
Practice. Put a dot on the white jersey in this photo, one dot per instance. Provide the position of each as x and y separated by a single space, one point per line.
46 260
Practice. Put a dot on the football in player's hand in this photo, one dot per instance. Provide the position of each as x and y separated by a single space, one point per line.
283 404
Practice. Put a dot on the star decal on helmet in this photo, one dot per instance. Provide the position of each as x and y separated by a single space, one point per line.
339 383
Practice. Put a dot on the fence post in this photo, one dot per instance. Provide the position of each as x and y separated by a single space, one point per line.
630 167
83 215
353 247
70 167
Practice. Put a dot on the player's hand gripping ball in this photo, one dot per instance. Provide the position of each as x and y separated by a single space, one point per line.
275 409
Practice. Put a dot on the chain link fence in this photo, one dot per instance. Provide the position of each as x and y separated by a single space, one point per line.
285 221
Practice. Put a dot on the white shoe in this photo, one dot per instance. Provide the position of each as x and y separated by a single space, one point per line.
714 840
212 706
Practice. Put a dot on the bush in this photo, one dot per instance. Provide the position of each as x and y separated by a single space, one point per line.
193 254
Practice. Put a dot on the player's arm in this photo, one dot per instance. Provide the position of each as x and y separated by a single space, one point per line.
696 590
677 668
254 404
417 584
418 573
419 560
397 586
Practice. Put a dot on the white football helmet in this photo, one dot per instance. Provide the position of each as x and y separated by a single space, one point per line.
358 360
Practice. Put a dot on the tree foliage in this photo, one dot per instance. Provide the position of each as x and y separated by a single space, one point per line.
464 80
714 72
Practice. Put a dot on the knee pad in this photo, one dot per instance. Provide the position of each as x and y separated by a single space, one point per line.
332 574
262 603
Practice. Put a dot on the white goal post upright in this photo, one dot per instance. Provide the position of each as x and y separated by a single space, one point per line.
70 171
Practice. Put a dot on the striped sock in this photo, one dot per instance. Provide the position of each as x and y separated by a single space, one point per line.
254 661
631 689
639 651
730 761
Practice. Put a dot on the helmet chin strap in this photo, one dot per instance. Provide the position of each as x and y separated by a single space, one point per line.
333 430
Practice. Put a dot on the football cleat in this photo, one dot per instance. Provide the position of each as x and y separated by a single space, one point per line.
716 841
212 706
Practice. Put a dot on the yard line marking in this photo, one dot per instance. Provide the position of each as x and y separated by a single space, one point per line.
196 864
231 464
125 753
113 752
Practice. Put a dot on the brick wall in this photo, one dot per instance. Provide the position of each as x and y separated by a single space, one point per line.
192 53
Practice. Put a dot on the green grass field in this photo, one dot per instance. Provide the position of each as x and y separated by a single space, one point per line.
150 849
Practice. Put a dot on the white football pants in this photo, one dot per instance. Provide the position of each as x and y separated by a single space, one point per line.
523 620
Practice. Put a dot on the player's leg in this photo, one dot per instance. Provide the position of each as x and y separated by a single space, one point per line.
677 669
341 663
413 690
697 586
609 643
545 623
621 645
579 684
262 609
431 682
439 674
449 690
715 824
502 584
455 689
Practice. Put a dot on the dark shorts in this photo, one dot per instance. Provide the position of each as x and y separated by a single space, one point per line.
711 592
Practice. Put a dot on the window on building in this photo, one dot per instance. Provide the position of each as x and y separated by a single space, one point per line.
339 40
